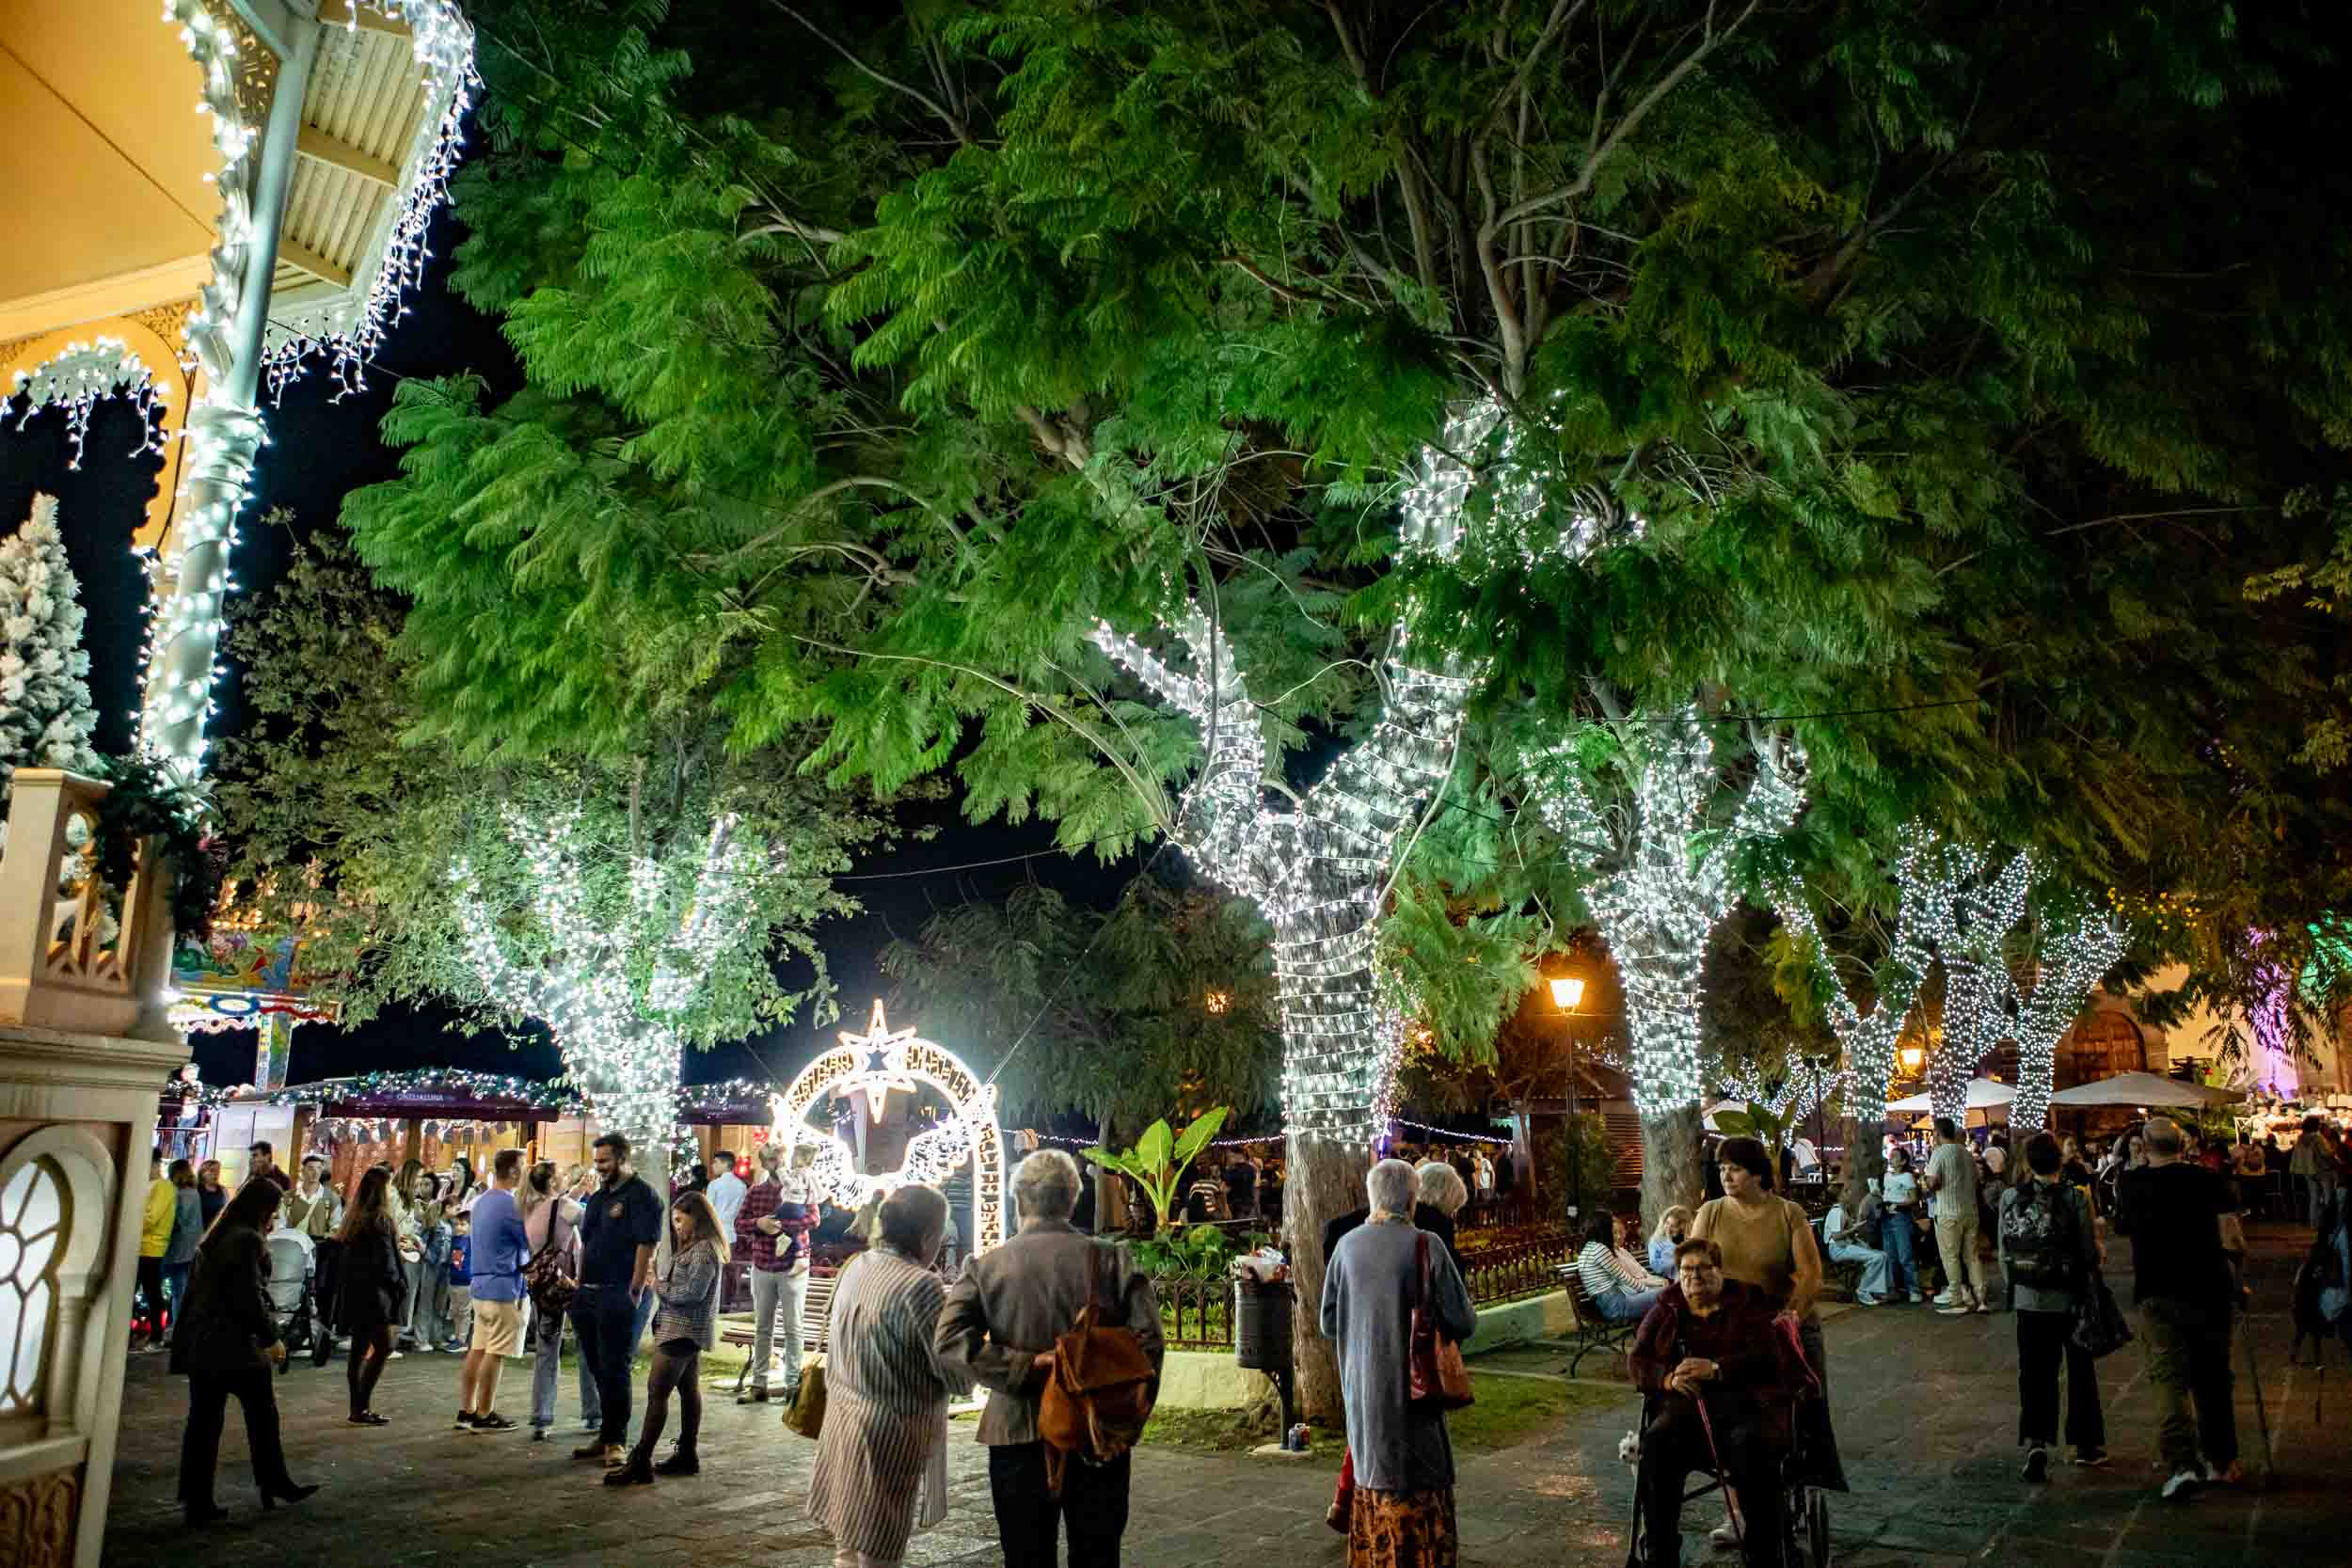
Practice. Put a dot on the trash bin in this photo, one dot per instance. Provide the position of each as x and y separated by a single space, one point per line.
1262 1324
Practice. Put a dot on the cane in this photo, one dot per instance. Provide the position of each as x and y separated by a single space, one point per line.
1731 1504
2261 1412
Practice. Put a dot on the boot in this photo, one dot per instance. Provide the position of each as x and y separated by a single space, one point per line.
684 1462
637 1472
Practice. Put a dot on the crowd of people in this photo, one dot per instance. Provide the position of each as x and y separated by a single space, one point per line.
1727 1348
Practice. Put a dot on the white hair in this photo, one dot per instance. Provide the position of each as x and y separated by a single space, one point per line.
1441 1186
1390 1187
1045 1185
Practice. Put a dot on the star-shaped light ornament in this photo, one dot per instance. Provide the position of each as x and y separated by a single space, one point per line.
885 1053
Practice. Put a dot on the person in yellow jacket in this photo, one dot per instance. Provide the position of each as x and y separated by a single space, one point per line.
163 1203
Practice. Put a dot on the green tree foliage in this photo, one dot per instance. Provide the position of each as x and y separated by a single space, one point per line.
1165 1002
350 828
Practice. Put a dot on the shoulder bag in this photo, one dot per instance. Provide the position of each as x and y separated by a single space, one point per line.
2100 1326
805 1415
550 1283
1435 1379
1103 1385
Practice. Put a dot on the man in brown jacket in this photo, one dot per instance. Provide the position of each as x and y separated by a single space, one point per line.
999 1326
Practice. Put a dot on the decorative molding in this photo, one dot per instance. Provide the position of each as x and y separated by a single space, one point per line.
36 1518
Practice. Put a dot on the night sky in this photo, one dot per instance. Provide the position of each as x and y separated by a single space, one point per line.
318 450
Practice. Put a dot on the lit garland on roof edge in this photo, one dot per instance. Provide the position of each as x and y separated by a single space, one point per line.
1665 878
615 1032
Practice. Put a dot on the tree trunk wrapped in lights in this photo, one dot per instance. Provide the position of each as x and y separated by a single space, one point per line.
1664 879
2076 954
1318 869
609 976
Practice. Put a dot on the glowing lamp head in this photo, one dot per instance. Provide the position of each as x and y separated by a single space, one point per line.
1911 1057
1568 992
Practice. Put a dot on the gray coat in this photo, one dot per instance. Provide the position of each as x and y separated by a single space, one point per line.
1015 1300
2051 1298
187 1227
1368 1295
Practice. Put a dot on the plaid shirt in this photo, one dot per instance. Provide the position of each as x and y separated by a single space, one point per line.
759 1249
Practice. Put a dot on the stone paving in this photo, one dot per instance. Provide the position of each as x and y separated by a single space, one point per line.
1925 1408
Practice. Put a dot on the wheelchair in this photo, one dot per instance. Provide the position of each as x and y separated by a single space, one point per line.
1804 1510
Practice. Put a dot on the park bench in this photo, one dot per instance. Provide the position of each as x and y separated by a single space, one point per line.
816 1310
1591 1331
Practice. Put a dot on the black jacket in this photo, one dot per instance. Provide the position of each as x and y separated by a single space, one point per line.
368 1296
226 1323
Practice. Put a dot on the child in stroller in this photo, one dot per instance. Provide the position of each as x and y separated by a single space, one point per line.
292 1258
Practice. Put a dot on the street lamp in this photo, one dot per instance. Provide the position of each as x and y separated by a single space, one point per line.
1568 994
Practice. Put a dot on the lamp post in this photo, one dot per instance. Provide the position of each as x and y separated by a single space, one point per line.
1568 994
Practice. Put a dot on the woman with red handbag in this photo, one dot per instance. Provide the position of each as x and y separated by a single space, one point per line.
1395 1306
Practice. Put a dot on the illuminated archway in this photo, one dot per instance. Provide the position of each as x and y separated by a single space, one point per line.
881 1058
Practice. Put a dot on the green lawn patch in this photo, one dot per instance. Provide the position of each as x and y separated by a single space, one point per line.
1509 1411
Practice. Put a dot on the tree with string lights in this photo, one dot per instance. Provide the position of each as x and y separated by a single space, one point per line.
1661 858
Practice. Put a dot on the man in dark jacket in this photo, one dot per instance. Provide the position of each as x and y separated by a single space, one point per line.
1711 1338
2180 1283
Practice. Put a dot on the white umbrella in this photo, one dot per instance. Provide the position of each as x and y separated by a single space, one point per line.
1983 1094
2144 1088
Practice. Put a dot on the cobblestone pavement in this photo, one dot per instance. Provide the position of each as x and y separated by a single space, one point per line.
1926 1413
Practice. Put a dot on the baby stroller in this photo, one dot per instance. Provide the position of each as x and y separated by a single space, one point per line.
290 1262
1804 1500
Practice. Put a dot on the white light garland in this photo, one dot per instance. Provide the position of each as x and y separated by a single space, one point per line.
2075 956
967 1136
618 1043
1793 1096
1670 881
78 377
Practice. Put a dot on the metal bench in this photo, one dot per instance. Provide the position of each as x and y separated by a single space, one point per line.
1591 1331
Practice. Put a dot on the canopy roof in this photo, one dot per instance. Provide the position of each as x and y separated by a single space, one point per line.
1983 1094
2144 1088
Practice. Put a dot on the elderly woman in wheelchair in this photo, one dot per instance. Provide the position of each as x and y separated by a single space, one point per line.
1718 1393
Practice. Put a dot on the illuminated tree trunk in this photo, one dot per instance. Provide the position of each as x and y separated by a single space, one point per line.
1325 1181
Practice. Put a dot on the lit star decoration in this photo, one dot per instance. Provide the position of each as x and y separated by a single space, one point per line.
616 1033
968 1135
1666 879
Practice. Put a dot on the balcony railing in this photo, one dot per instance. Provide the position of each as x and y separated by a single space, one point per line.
77 954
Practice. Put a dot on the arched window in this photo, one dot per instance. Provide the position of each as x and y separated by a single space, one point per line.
35 1218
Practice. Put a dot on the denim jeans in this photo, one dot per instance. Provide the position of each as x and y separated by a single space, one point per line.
1874 1266
176 1289
547 1362
2189 1360
1901 1238
1627 1307
775 1292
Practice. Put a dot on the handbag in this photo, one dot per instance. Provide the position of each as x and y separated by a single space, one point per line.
549 1284
805 1415
2100 1326
1434 1375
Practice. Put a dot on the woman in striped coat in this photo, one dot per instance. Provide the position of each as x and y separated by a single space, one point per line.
884 1450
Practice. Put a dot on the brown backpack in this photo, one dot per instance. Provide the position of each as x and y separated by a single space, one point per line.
1103 1385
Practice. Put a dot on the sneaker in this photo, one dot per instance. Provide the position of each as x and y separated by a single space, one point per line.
1918 1298
1723 1535
396 1355
492 1421
1869 1301
1957 1309
2092 1459
2182 1484
1947 1298
2226 1475
751 1396
539 1434
2037 1464
464 1422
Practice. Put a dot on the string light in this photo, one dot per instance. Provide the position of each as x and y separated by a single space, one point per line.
2075 956
1791 1097
78 377
618 1040
1672 882
968 1132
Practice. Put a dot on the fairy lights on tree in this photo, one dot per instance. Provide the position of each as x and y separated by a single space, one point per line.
1664 878
610 977
2076 953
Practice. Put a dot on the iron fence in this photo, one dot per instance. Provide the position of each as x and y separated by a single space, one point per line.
1525 1264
